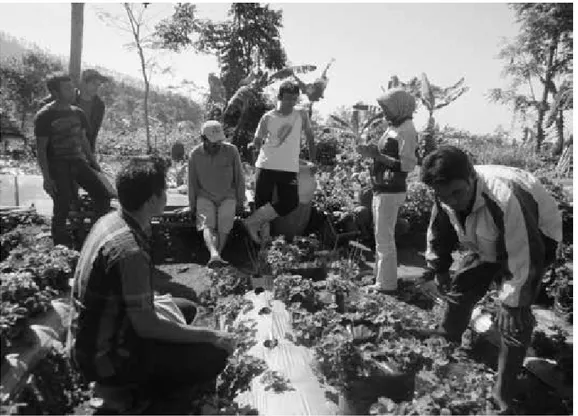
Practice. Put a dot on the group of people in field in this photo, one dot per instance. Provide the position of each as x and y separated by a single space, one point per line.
506 219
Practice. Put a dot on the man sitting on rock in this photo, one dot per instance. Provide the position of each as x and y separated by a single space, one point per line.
120 340
512 227
216 188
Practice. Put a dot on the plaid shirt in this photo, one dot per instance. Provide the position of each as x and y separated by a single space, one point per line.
115 253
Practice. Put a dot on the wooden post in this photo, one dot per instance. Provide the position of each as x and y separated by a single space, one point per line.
76 31
16 192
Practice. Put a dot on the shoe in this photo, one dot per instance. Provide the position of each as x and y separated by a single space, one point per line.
379 289
253 224
424 333
217 262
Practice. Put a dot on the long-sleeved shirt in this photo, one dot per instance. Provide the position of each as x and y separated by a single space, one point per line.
399 143
511 213
216 177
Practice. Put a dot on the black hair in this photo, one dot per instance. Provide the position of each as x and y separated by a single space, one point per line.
446 164
288 87
140 179
54 80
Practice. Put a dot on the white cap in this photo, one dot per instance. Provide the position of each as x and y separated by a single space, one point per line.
213 131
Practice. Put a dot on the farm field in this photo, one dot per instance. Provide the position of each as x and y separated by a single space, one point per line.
307 86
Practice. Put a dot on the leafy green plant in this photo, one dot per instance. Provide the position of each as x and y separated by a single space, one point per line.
417 206
54 388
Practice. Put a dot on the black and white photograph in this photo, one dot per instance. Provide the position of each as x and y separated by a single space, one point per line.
286 208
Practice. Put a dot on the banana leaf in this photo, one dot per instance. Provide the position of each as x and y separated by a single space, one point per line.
355 122
324 74
457 85
371 120
427 95
342 122
291 70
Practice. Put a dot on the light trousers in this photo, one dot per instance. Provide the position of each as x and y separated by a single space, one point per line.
385 208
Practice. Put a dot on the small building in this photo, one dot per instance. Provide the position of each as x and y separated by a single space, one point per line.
12 140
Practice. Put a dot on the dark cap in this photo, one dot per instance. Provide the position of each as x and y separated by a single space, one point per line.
90 74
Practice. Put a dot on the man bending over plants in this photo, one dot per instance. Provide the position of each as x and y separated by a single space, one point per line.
216 188
512 227
278 140
65 156
119 339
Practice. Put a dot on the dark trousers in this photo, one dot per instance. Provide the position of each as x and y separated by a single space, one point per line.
65 174
170 365
287 190
163 366
469 285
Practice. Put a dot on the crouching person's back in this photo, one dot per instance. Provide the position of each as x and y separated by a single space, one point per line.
119 339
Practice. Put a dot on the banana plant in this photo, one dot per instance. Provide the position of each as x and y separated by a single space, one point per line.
435 98
245 108
358 124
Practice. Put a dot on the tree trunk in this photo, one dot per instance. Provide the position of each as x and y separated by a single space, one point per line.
135 27
560 134
543 107
76 31
146 114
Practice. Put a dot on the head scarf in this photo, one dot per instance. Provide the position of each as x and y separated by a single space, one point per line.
399 103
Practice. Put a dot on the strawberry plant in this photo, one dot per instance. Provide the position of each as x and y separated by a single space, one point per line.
54 388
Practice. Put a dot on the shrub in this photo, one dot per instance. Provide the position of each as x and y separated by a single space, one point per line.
417 207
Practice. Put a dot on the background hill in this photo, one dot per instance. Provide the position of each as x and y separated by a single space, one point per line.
174 116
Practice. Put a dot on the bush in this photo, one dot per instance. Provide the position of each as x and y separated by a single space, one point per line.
417 207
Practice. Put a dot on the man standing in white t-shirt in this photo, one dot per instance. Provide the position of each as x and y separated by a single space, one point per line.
278 139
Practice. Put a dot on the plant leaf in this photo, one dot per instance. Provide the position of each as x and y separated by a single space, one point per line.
340 121
427 95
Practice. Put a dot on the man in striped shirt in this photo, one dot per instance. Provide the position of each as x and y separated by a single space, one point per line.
511 227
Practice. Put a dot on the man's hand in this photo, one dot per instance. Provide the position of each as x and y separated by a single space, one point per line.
512 321
436 287
225 341
50 187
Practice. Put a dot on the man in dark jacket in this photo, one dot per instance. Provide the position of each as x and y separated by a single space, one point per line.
87 98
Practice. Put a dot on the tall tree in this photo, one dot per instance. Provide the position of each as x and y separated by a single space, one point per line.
537 60
136 23
246 42
76 32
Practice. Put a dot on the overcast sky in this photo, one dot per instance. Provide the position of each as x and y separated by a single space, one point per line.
369 41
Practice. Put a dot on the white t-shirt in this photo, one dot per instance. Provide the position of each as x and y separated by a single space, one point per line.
282 141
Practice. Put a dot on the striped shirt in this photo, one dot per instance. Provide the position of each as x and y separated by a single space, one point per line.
511 213
115 254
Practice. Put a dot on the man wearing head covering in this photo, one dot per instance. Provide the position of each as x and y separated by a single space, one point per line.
87 98
216 188
393 158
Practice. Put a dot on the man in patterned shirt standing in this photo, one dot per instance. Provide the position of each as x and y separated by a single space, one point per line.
65 155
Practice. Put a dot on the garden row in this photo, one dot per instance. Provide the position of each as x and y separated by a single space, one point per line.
365 346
